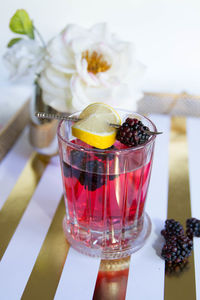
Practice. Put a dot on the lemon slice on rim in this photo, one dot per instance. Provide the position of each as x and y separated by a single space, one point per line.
93 127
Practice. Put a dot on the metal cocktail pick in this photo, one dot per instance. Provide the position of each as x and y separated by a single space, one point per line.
62 116
57 116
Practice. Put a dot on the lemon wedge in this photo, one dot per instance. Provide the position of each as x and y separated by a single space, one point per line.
93 127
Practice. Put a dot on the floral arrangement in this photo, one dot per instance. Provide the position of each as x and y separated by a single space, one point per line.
77 67
26 53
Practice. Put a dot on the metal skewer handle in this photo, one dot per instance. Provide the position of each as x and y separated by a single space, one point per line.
60 116
43 115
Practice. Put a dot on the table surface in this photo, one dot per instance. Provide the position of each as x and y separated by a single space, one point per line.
38 263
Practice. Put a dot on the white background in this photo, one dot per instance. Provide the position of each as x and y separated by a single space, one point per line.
166 33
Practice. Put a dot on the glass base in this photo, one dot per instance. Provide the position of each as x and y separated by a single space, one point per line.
132 244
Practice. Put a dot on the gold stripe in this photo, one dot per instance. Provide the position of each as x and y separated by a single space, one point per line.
19 198
13 128
180 287
47 270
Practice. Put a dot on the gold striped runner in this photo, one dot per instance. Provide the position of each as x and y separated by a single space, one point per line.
181 286
19 198
45 276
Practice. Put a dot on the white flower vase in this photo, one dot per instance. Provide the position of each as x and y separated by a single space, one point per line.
42 133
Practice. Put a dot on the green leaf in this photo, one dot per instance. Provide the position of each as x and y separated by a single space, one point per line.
21 23
13 41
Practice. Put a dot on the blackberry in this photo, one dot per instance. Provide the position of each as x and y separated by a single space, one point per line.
104 156
176 268
66 169
132 133
112 177
80 175
93 179
172 228
193 227
94 166
73 172
176 250
78 159
177 247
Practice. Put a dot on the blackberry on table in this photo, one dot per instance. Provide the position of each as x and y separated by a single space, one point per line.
132 133
172 227
176 268
193 227
176 250
177 247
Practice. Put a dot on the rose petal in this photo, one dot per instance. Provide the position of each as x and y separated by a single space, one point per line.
83 94
87 77
47 86
59 54
57 78
73 32
24 58
99 31
66 71
57 103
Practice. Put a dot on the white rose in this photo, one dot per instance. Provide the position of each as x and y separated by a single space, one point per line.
24 58
90 65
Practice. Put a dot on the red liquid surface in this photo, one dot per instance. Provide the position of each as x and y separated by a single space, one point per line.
99 201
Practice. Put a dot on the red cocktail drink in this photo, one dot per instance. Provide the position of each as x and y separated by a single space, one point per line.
105 193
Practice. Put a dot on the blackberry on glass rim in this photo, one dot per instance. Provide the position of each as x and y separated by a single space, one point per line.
132 132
